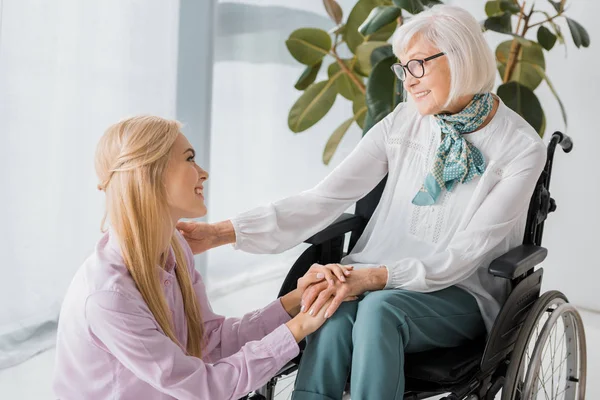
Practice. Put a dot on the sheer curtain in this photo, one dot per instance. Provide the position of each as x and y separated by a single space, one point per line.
255 158
68 69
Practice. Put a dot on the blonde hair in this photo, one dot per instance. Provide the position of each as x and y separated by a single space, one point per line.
458 34
131 160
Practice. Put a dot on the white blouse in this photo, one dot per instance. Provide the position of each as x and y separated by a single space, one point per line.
424 248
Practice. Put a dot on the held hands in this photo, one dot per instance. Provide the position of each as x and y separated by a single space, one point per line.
304 323
343 284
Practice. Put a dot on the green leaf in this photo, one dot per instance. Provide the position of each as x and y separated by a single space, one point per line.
578 32
314 103
334 140
309 45
359 108
500 23
334 11
343 84
384 33
496 8
492 9
378 18
554 92
510 6
358 15
522 41
381 53
558 5
431 3
308 76
556 28
363 56
380 89
522 100
546 38
412 6
527 57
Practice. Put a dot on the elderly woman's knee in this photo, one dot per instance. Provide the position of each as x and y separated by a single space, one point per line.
379 309
340 323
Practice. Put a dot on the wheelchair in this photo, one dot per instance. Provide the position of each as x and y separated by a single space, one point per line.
513 357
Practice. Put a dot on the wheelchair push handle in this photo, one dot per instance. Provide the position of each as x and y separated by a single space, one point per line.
565 141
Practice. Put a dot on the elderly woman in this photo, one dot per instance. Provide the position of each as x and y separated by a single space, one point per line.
461 169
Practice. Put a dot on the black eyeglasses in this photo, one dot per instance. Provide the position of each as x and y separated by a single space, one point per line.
415 67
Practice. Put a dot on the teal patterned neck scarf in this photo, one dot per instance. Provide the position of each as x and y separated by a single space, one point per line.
456 159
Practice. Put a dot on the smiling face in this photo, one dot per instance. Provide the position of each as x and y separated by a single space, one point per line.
184 181
430 92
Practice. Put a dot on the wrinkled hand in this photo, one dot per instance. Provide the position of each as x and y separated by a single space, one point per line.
199 235
330 272
319 294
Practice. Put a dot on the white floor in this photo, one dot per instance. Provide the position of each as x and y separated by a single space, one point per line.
32 379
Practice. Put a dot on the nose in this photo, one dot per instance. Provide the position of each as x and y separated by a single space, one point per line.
203 174
409 81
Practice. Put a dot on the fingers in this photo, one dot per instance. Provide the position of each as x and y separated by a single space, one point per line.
308 279
185 226
333 271
311 293
329 276
339 271
323 312
312 277
322 298
340 296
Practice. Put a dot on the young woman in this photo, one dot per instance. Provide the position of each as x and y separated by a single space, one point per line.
136 322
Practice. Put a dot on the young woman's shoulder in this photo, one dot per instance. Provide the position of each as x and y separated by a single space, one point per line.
187 251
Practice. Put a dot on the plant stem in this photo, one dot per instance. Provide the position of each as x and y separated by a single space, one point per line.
543 22
515 46
344 68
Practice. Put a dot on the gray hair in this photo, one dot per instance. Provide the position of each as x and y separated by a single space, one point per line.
458 34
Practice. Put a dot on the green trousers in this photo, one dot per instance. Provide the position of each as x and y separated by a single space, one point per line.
368 338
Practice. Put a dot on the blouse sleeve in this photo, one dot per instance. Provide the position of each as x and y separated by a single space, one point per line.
128 331
281 225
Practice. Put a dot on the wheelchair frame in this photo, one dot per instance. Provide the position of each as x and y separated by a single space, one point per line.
479 369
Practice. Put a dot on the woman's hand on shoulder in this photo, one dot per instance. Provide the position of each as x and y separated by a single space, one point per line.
202 236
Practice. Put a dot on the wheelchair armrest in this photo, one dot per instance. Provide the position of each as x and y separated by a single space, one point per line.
517 261
344 224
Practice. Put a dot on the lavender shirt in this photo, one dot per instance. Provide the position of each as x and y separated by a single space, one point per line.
109 345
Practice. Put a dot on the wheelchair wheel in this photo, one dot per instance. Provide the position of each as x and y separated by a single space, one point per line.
279 388
549 357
